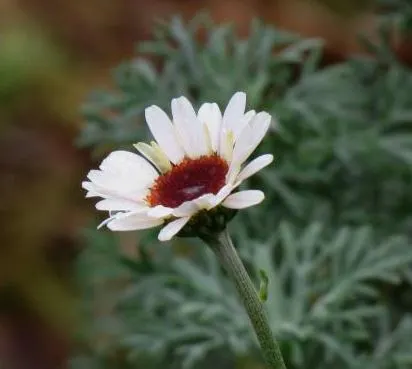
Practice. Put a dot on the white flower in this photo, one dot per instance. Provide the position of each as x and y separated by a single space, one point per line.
195 164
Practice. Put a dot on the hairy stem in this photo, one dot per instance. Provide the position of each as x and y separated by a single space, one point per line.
223 247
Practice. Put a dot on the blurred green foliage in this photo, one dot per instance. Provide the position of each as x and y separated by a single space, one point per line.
398 10
333 235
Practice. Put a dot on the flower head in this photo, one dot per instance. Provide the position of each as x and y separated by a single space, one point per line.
193 168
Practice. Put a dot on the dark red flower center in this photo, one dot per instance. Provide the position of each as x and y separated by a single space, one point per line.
188 180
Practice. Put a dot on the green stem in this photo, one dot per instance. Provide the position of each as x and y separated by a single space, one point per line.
223 247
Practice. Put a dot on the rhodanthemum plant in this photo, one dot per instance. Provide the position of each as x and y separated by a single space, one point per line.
193 167
187 181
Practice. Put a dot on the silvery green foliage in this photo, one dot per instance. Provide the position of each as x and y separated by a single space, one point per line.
325 300
333 235
207 72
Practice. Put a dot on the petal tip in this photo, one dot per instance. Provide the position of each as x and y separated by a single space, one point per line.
163 238
85 184
150 110
241 94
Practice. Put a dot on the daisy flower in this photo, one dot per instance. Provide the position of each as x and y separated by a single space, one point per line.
193 167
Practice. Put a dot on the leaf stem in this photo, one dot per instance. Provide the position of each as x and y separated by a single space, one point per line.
223 248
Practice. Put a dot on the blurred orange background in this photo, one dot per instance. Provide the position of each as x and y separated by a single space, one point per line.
52 53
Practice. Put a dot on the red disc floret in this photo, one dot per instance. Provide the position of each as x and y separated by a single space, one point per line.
189 180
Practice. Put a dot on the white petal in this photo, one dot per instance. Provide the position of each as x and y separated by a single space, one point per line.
102 224
159 211
189 128
250 137
249 115
210 115
92 191
234 111
122 175
186 209
244 199
164 133
220 196
254 166
119 161
110 193
125 162
133 221
233 172
206 201
119 205
172 229
189 208
244 121
226 145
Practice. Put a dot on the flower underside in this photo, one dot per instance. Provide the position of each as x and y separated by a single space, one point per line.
189 180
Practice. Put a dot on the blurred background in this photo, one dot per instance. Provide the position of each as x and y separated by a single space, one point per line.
53 53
